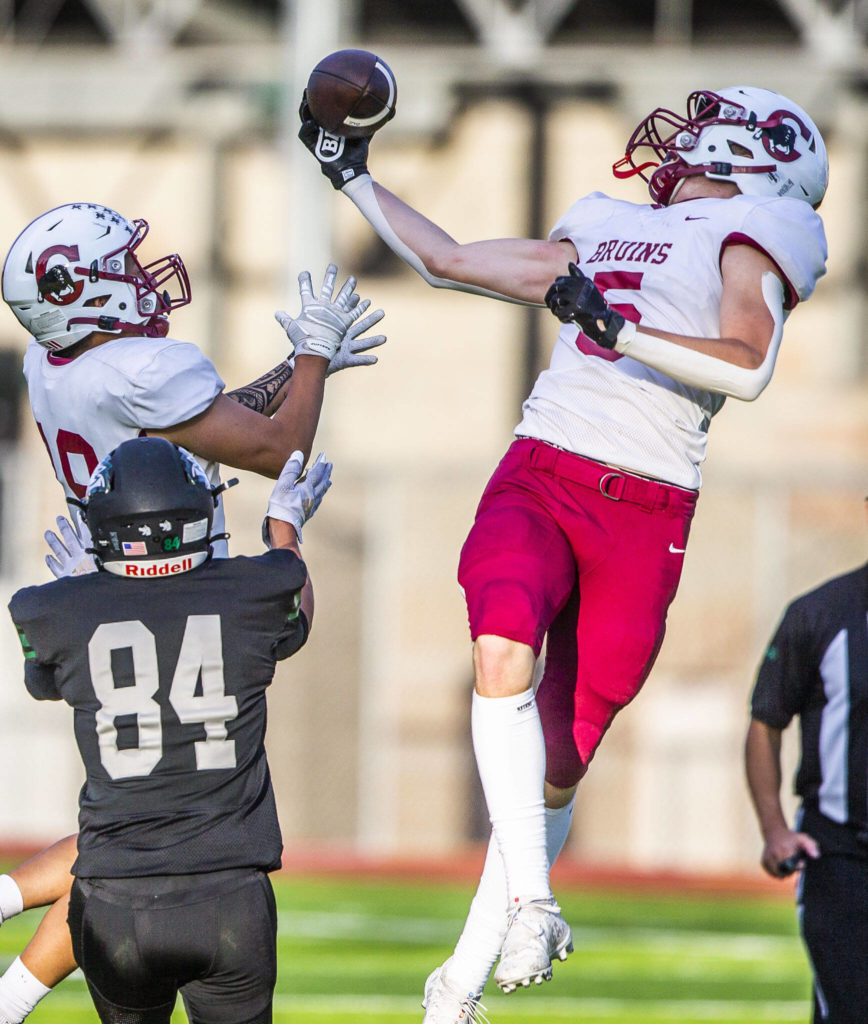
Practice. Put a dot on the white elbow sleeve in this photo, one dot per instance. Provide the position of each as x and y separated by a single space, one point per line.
704 371
361 191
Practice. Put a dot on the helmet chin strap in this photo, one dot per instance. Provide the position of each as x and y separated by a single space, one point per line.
723 171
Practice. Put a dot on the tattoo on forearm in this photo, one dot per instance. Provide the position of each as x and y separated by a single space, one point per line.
261 393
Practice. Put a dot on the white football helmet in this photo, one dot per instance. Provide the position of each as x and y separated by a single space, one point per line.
756 138
74 270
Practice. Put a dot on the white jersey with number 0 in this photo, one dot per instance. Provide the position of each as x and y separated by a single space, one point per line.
658 266
85 407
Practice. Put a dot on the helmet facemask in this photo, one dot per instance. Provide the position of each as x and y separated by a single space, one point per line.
757 139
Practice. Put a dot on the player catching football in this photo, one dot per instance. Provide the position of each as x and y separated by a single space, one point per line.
165 657
668 307
100 369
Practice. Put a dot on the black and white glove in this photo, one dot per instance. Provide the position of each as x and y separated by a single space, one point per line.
353 348
323 322
71 557
295 498
340 159
574 298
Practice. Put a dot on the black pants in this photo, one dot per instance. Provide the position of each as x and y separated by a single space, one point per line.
833 911
211 937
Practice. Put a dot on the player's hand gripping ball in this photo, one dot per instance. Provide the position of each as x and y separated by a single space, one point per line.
352 93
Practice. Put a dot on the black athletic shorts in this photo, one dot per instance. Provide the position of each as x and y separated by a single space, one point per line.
212 937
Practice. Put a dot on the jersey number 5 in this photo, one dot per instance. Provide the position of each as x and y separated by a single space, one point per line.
605 281
201 656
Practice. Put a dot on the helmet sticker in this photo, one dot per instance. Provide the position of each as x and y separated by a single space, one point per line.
195 530
55 283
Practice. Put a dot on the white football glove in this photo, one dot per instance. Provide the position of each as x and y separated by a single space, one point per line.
295 498
351 348
323 322
71 557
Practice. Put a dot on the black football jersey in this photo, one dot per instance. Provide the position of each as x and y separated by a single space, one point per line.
167 679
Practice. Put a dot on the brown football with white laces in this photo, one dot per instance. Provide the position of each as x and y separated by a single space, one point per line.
352 93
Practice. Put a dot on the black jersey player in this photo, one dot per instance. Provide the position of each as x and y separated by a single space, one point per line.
165 656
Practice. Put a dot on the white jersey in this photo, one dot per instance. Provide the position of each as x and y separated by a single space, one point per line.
85 407
658 266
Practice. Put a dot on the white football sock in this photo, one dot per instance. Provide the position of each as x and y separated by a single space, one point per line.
11 901
478 946
511 758
20 991
558 821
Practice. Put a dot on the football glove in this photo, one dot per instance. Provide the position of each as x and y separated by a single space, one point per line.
353 346
295 498
574 298
323 322
340 159
71 556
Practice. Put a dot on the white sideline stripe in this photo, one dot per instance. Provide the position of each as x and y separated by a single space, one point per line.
546 1009
735 945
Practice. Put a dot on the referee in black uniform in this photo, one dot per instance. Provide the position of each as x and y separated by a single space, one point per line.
165 655
816 667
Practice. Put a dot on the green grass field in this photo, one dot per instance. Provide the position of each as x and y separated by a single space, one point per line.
357 952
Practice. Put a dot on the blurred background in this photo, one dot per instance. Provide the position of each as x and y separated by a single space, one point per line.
183 112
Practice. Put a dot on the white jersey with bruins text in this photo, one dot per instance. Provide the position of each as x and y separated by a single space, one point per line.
658 266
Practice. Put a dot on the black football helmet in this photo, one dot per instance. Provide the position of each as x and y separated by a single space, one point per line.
149 507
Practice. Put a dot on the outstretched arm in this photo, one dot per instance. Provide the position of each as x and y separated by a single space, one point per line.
267 393
236 435
512 269
233 433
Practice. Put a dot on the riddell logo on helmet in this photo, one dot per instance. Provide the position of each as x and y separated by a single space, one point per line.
167 568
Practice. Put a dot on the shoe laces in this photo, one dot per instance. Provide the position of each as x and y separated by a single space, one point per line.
445 993
531 922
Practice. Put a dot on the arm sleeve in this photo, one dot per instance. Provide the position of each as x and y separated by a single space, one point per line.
178 383
701 370
361 191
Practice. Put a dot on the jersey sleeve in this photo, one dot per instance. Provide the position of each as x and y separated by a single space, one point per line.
283 574
785 674
39 680
39 670
176 384
792 235
593 208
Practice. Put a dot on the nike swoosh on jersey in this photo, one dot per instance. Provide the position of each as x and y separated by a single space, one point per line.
696 218
675 550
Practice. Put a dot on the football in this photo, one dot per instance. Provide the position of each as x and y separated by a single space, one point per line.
352 93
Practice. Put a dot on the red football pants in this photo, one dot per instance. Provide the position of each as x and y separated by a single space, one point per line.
590 557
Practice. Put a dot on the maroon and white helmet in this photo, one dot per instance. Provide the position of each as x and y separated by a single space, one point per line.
74 270
756 138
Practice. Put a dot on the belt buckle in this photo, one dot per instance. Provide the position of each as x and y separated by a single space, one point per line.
612 486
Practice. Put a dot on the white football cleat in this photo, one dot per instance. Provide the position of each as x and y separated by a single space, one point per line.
537 934
445 1003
